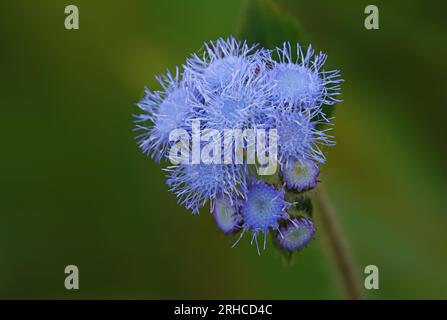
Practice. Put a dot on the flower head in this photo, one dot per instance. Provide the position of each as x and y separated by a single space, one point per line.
297 234
195 184
300 80
243 103
262 209
300 175
298 136
221 63
165 111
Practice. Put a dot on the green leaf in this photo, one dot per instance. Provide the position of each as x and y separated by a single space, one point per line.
265 23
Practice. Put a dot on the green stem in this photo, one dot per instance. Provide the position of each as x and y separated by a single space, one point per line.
338 247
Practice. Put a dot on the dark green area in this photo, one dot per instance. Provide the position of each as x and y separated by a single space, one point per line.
76 190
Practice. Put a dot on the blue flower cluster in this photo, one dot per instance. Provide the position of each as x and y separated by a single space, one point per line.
230 84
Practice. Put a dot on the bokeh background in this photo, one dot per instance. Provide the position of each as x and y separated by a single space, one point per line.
76 190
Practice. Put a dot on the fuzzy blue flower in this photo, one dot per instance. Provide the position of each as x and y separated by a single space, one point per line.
243 103
196 184
300 79
226 214
262 209
300 175
298 136
231 85
220 63
297 234
163 111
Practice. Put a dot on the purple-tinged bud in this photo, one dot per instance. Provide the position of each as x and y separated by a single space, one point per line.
296 235
226 215
300 175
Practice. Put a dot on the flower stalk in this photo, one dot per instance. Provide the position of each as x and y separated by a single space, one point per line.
337 246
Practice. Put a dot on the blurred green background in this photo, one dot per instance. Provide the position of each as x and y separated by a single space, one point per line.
75 189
